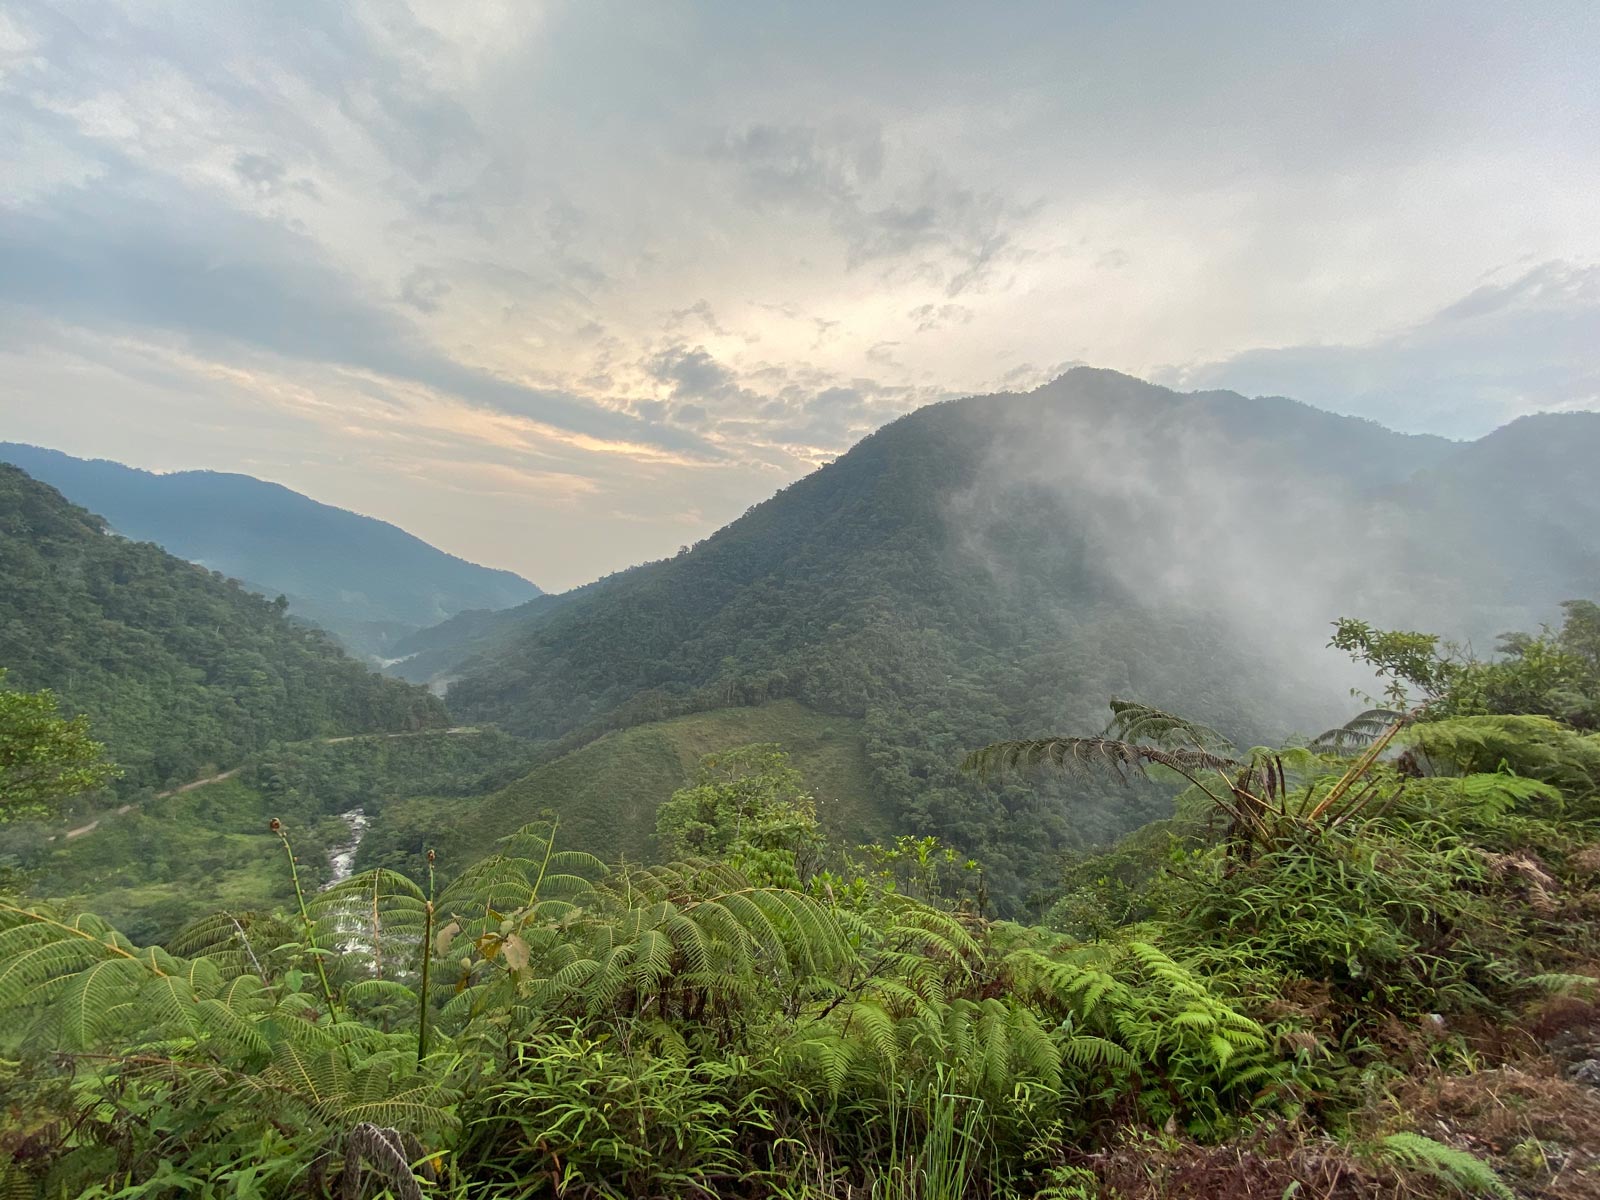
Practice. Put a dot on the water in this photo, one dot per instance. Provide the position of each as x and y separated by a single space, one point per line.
347 922
343 857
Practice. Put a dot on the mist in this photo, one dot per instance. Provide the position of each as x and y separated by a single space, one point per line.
1249 524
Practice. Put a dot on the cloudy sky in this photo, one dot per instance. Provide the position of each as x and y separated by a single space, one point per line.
562 286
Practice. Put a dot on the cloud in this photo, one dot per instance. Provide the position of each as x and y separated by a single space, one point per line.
937 316
694 372
1512 346
918 217
269 177
218 277
424 288
712 245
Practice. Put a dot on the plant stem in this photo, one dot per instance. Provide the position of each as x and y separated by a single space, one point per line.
305 920
427 962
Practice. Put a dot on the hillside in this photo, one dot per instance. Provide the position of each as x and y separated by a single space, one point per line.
1000 565
364 580
606 793
1529 491
138 865
178 668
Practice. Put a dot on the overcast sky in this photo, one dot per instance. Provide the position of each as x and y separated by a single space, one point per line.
560 287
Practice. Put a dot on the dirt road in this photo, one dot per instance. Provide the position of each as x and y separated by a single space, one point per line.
221 775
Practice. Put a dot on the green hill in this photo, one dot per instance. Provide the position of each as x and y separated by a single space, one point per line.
178 668
605 794
367 582
141 860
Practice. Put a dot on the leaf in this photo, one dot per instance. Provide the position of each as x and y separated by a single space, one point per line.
515 952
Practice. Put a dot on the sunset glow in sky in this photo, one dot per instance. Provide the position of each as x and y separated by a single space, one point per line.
559 287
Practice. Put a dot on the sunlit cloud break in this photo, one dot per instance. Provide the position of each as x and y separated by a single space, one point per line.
629 269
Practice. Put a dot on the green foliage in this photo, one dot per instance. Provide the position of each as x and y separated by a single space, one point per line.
926 869
1551 673
607 793
365 581
178 668
749 809
1399 657
1533 747
537 1022
136 868
638 1031
44 757
1262 802
1457 1169
879 591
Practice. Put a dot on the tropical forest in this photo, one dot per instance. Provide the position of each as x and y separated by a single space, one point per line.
709 601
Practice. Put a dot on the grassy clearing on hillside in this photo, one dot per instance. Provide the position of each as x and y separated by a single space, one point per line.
170 858
607 793
152 868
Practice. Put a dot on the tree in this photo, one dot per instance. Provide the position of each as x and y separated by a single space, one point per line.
1250 789
44 757
748 808
1550 673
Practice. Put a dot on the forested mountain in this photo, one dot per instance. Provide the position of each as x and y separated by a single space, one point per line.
1528 492
364 580
177 667
998 565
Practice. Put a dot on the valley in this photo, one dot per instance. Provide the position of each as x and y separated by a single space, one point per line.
789 716
715 601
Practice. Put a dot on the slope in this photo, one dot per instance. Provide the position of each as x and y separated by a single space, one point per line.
999 566
605 794
980 568
1528 491
178 668
142 864
364 580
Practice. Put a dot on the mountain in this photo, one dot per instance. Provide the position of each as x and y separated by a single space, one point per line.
1529 491
179 668
364 580
1001 565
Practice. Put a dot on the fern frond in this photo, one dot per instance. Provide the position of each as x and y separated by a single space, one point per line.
1134 722
1081 754
1358 732
1456 1168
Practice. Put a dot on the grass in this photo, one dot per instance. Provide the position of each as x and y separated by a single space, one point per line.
151 869
171 859
606 793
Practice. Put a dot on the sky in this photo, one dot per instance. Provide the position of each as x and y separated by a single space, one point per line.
562 287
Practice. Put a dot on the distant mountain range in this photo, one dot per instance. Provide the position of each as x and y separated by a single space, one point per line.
986 567
1002 565
365 581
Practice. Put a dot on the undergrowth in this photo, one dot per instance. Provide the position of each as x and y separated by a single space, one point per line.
1320 937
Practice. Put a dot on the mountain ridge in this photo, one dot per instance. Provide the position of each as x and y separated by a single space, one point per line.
1000 566
178 668
365 580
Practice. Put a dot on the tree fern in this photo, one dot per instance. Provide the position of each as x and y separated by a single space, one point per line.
1134 722
1359 731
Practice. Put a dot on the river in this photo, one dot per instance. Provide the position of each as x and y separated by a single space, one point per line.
342 857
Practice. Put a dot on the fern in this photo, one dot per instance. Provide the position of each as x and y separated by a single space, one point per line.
1359 732
1072 754
1455 1168
1134 722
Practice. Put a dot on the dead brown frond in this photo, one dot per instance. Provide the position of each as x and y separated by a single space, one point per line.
1540 1131
1273 1161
